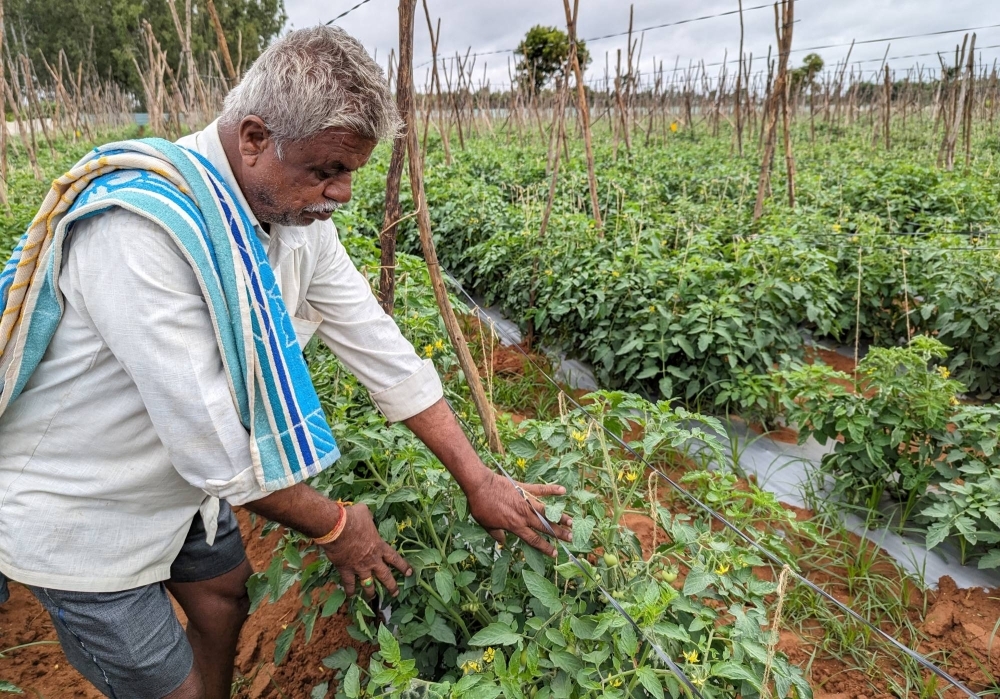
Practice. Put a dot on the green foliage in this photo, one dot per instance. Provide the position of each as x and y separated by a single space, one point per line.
901 431
968 503
543 54
107 31
682 295
886 417
480 620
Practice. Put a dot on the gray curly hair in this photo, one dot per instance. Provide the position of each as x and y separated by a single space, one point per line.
310 80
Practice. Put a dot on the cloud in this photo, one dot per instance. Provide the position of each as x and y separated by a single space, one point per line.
490 26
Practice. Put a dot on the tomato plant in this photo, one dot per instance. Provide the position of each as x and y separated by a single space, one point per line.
476 619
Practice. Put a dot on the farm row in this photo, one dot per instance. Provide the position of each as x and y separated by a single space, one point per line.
680 296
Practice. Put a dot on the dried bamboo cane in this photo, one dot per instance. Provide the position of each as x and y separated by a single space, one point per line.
483 407
584 111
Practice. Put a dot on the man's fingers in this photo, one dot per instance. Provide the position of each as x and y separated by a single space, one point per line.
498 536
368 590
559 531
347 580
535 541
539 507
392 557
384 575
542 490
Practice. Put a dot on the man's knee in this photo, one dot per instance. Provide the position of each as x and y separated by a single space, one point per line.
191 688
216 603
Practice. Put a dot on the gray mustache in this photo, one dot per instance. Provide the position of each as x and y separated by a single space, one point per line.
327 208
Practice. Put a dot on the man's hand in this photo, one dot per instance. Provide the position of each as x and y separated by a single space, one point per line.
499 505
360 552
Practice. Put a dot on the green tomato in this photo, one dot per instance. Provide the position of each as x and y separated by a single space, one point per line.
610 560
668 576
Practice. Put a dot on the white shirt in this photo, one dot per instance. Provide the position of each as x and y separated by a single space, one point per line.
127 427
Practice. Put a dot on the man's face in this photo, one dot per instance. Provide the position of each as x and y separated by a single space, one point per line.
309 182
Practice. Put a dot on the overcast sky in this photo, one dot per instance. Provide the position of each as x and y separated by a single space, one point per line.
495 25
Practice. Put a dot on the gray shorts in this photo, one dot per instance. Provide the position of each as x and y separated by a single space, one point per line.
130 644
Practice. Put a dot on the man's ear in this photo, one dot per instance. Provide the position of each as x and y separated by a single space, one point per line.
254 139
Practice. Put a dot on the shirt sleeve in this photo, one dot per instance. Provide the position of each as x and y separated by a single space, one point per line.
367 340
145 302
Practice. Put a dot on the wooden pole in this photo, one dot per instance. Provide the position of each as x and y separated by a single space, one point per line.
220 38
739 87
404 82
3 121
387 238
571 17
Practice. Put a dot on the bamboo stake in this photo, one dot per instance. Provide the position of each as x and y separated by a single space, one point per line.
3 122
387 238
584 112
404 82
220 37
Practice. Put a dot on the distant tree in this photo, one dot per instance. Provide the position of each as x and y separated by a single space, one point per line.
543 53
805 75
106 32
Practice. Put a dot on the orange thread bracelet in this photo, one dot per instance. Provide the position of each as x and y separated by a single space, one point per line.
338 528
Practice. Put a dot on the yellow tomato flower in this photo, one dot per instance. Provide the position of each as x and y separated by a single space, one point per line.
691 656
615 273
404 524
954 400
521 463
722 569
836 228
631 476
429 350
698 681
488 655
579 437
439 345
673 127
943 370
470 666
652 309
616 682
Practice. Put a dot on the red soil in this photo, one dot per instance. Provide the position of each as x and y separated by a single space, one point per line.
958 629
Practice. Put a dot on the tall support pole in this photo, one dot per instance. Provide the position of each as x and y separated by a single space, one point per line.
574 57
3 125
220 38
404 83
387 238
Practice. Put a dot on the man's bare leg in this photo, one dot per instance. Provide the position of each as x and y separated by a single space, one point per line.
216 610
191 688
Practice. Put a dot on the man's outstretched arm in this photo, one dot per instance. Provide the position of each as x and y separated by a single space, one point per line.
496 503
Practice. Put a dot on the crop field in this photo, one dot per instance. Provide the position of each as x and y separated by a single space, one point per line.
846 294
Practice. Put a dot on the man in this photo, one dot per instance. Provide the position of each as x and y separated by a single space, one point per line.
123 451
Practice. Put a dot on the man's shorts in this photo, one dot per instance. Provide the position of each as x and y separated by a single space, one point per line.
130 644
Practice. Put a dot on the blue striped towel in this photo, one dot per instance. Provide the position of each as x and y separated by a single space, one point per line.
178 189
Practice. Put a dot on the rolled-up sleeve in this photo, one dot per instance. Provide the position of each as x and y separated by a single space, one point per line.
145 302
365 339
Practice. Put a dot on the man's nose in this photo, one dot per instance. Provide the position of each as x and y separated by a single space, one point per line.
339 189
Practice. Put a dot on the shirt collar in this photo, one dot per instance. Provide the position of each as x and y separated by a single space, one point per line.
209 144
